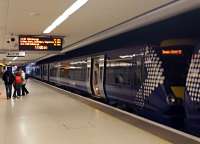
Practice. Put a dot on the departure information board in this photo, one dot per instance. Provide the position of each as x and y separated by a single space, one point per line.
40 43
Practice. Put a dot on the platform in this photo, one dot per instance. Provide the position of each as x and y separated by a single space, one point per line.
47 116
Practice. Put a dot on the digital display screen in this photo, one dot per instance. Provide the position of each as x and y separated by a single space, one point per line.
172 52
40 43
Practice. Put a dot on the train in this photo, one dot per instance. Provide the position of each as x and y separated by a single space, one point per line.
152 71
157 81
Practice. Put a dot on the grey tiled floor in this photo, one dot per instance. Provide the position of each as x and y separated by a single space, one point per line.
48 117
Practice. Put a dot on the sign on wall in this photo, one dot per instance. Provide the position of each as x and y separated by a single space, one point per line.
16 54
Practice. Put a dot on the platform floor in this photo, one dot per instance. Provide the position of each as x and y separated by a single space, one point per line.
46 116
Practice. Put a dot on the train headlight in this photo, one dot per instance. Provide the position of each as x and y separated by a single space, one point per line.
171 100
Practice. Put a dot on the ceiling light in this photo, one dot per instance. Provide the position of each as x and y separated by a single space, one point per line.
73 8
9 62
34 14
14 58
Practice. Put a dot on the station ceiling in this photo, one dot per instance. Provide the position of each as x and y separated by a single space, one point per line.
34 16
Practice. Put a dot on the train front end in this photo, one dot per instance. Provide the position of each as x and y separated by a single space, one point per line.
166 69
192 94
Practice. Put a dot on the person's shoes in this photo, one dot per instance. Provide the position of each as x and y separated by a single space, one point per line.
27 93
14 97
8 97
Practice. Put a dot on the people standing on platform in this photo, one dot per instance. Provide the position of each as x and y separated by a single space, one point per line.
17 85
8 79
24 80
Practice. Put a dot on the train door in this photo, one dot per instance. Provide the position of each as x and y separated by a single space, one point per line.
88 75
42 72
138 75
47 72
97 77
38 71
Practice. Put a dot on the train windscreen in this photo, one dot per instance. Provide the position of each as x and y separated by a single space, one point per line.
176 62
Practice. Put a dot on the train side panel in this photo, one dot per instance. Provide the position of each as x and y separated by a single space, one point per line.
192 94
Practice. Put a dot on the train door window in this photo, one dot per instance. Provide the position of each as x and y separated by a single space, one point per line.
95 76
98 76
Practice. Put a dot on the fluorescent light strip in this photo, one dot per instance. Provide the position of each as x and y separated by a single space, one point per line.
73 8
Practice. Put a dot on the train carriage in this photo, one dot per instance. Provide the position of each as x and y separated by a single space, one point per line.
148 79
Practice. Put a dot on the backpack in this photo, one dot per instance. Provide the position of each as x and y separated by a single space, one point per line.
18 79
8 78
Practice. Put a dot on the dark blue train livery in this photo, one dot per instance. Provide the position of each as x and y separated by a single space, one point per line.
160 82
192 94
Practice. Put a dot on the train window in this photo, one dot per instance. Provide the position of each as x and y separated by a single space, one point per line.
73 70
119 79
53 70
119 72
176 66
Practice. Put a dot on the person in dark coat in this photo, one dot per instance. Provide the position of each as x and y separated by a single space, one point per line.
8 79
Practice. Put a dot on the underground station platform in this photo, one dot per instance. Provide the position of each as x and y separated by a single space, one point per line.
52 115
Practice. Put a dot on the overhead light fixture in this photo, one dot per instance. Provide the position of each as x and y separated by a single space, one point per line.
34 14
9 62
73 8
14 58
